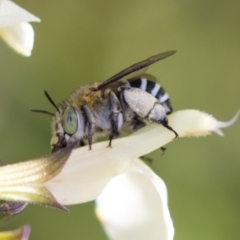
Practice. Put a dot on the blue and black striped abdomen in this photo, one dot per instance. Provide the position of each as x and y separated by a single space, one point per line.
153 88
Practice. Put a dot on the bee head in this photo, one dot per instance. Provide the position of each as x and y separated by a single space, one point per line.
67 128
67 124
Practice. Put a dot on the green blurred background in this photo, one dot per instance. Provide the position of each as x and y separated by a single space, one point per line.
79 42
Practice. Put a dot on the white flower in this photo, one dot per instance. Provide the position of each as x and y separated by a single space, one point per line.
14 27
131 201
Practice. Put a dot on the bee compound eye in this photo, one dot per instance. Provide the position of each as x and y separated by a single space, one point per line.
70 121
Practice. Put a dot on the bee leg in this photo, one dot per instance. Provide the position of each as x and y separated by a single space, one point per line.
147 160
90 124
82 143
115 117
156 114
163 150
165 124
132 126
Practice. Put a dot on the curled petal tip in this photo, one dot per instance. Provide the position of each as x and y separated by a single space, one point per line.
193 123
230 122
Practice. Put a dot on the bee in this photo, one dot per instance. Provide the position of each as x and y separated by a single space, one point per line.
122 102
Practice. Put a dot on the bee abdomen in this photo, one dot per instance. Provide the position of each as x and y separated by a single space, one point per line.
155 89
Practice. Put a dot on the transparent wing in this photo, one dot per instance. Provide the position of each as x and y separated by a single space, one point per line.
135 67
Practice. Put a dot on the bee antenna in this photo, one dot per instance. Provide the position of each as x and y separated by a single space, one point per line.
41 111
51 101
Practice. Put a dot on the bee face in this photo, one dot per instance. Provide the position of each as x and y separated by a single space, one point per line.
67 127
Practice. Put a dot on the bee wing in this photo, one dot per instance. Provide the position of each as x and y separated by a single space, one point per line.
128 78
136 73
135 67
148 76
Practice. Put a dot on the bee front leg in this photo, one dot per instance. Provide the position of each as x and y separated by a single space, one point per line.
116 117
90 124
133 125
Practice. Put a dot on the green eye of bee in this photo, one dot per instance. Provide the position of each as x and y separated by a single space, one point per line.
70 121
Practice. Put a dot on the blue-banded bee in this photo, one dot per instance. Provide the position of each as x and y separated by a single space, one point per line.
120 103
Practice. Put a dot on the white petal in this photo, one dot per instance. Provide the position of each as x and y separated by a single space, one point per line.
187 123
11 13
133 206
20 37
86 173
